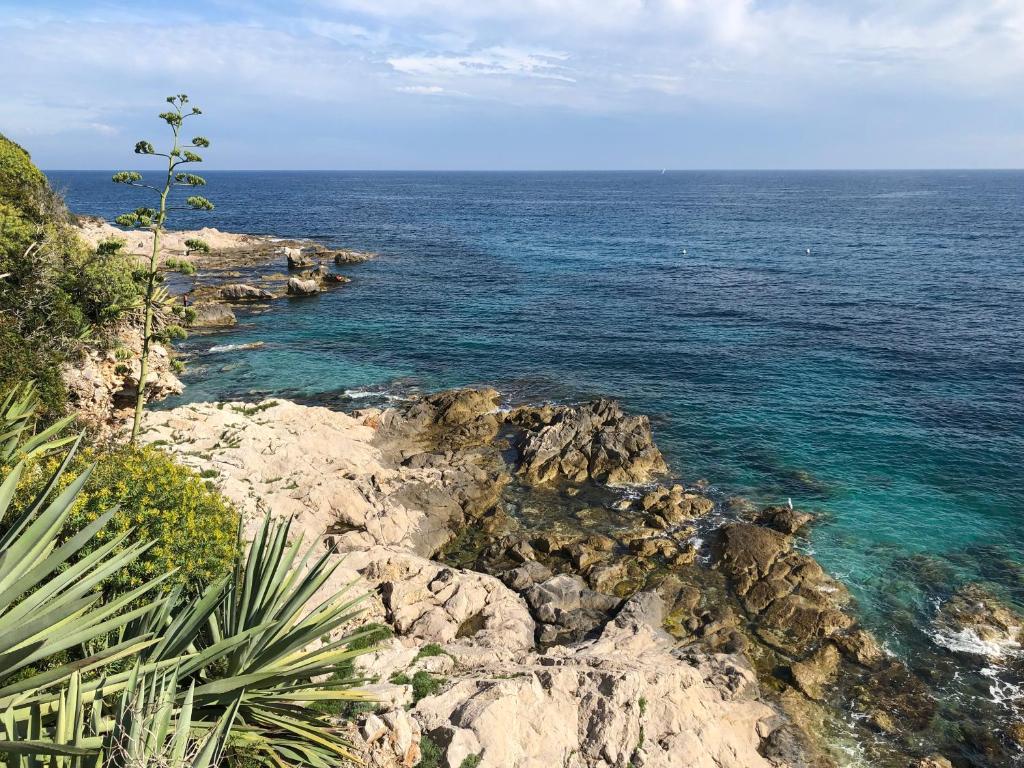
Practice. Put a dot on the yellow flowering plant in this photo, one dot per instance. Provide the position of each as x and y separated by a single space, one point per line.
193 527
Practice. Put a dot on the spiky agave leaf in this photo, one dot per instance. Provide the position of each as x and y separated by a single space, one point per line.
17 417
271 675
148 727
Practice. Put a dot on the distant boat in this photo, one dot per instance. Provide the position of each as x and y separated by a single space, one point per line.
662 171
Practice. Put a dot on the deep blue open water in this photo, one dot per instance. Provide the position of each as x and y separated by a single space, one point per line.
877 378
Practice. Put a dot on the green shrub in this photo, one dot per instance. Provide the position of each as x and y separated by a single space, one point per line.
471 761
193 526
55 291
431 753
20 362
180 265
423 684
104 286
20 179
431 649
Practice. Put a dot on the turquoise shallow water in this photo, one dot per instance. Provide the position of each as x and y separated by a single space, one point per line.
877 378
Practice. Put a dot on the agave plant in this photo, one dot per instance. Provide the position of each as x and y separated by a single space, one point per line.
17 416
49 601
147 728
271 648
242 659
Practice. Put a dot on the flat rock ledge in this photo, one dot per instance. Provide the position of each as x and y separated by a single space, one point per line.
388 490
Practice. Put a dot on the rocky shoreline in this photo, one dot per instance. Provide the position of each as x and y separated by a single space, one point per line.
556 597
591 636
240 274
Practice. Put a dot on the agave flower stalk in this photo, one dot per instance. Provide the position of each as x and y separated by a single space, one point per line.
154 219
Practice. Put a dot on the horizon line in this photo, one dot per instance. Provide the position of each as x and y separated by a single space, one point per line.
656 171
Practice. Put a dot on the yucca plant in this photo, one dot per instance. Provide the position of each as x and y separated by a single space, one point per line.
151 729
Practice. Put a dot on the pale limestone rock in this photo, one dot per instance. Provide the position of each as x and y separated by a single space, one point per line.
468 612
586 706
300 287
391 740
102 385
573 706
316 465
244 292
372 729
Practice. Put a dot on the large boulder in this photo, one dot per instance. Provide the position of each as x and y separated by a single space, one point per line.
452 419
243 292
298 287
594 441
800 612
567 609
426 601
795 602
666 507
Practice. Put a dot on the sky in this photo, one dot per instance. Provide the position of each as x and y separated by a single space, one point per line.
523 84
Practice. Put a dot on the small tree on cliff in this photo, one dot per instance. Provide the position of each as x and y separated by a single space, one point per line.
155 218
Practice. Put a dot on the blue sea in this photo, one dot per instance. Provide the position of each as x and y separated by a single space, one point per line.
850 340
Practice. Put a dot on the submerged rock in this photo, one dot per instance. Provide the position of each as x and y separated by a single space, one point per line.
975 622
814 673
213 315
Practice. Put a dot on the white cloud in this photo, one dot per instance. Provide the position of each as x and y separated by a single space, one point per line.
422 90
489 61
621 57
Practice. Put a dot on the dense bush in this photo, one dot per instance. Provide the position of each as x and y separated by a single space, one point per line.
24 362
55 290
194 528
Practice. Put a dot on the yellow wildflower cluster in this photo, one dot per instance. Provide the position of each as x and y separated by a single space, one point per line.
193 527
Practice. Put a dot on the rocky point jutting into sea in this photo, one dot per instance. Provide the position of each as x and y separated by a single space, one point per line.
563 596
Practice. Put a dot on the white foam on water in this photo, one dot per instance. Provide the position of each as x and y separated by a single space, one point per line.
967 640
1003 692
233 347
362 394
